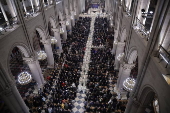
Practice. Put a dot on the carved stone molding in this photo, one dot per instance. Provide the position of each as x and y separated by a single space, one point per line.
121 44
46 41
128 66
29 60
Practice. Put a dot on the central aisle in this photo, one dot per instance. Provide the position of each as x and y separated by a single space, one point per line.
79 102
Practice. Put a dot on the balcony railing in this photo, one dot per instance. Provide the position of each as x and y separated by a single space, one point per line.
141 29
8 25
164 55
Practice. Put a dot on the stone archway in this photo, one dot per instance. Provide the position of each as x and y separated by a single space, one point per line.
53 22
126 70
47 46
20 61
133 56
147 98
41 32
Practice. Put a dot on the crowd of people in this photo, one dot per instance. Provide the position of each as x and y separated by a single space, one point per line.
60 90
100 99
100 31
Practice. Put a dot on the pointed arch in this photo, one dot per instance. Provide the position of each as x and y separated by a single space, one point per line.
147 95
41 32
22 47
52 21
133 54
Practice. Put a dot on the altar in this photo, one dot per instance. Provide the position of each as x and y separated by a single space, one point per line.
95 11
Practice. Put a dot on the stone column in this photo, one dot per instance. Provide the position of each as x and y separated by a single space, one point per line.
114 46
71 7
111 20
40 71
49 52
128 4
12 8
68 24
119 49
4 14
13 100
124 73
48 1
145 5
35 70
32 5
66 11
36 3
132 106
76 13
82 2
23 3
63 24
57 36
106 6
72 18
61 16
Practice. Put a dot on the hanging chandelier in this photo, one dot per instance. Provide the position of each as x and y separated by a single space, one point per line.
61 30
24 78
53 40
42 55
128 84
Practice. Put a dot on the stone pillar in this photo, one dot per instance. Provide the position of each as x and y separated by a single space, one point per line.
132 106
72 18
106 6
40 71
35 70
114 46
63 24
4 14
13 100
71 7
36 3
12 8
146 7
57 36
75 9
32 5
49 52
48 1
68 24
128 4
124 73
66 11
119 49
23 3
82 2
61 16
111 21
